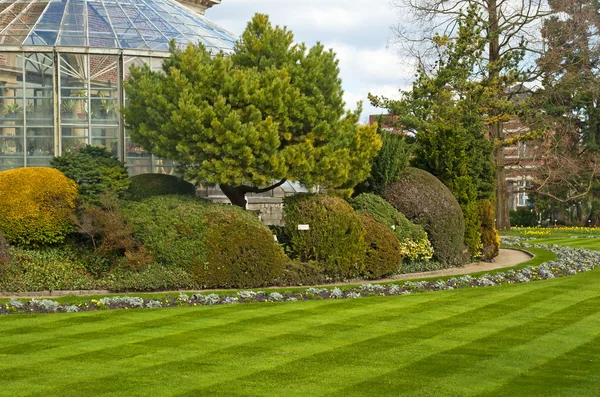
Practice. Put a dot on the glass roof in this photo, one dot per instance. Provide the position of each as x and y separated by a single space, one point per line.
124 24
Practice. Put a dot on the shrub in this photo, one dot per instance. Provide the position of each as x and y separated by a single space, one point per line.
426 201
220 246
389 163
336 239
241 251
383 250
301 274
171 227
489 235
523 217
95 171
154 277
149 185
36 205
412 238
109 233
4 251
472 229
46 269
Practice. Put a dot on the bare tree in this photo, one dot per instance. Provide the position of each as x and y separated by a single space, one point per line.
510 28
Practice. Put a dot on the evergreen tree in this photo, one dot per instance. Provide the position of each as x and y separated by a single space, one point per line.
446 111
272 111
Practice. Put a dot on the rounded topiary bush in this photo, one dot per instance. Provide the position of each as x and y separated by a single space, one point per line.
426 201
241 251
413 238
220 246
149 185
383 249
36 205
336 238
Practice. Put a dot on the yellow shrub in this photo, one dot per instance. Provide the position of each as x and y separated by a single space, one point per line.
36 205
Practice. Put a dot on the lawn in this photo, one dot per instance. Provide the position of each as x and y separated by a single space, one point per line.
540 338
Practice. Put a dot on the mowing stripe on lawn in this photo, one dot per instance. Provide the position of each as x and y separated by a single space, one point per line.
277 343
365 302
374 347
312 348
563 372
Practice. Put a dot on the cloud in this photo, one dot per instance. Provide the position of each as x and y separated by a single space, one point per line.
358 32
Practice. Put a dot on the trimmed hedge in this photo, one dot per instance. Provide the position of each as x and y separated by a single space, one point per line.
382 211
426 201
413 238
220 246
36 205
383 249
241 251
149 185
336 239
301 274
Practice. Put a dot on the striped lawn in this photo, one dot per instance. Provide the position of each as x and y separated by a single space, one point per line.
536 339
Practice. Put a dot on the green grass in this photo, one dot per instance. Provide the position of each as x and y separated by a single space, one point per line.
536 339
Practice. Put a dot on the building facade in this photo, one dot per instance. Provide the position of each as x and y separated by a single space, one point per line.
62 67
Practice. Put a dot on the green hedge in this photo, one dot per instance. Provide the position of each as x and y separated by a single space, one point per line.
414 244
220 246
336 239
382 211
426 201
149 185
383 249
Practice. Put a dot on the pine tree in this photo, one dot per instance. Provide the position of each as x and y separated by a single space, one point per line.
272 111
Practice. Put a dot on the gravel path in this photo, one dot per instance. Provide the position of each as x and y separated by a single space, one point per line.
506 258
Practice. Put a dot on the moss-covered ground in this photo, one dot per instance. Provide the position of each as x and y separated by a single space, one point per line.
535 339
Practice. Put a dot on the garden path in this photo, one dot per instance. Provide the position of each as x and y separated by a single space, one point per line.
506 258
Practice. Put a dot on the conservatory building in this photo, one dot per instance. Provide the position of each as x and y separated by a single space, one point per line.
62 67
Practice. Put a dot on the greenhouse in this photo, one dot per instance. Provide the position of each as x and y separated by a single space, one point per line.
62 64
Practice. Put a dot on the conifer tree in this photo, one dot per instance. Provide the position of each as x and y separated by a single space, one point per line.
270 112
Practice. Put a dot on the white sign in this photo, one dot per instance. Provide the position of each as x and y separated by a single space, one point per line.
303 227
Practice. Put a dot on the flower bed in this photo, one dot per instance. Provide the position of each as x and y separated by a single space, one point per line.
569 261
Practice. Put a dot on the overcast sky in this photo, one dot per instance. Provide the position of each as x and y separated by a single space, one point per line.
359 31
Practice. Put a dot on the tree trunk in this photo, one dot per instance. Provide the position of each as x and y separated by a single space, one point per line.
502 209
237 195
496 127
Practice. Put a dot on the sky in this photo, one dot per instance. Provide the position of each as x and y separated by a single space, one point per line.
358 31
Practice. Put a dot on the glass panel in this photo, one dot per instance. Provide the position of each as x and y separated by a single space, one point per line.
11 89
106 137
104 82
10 162
11 145
74 106
39 147
73 137
162 166
146 24
39 91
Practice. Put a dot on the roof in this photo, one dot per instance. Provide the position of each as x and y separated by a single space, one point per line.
122 24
